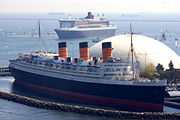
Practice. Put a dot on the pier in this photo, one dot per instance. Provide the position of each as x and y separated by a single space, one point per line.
4 71
172 102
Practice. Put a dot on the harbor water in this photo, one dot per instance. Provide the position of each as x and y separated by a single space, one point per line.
18 34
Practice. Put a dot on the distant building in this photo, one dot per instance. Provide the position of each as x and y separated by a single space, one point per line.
148 50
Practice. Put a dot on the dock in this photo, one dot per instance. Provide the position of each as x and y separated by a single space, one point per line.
4 71
172 102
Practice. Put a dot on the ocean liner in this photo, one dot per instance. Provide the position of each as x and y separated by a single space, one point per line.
88 27
105 81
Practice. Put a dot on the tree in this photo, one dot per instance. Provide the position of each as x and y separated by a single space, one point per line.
159 68
170 72
171 66
148 72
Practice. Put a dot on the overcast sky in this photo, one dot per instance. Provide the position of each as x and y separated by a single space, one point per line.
90 5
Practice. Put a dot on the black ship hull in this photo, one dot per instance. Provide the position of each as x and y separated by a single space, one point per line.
134 98
71 34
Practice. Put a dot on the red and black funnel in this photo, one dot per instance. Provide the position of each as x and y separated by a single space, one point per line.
83 50
106 50
62 49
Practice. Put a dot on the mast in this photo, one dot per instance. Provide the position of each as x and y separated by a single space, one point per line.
40 39
132 53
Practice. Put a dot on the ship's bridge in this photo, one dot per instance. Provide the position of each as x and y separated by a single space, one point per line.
116 70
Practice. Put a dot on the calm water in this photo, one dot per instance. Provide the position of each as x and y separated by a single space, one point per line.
16 37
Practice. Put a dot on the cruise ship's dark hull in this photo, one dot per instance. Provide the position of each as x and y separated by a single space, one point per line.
134 98
70 34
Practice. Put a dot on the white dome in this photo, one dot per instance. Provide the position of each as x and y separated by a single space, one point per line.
148 50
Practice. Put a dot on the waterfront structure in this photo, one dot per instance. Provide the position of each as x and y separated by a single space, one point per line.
148 50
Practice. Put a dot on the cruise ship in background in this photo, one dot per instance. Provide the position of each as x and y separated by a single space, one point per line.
88 27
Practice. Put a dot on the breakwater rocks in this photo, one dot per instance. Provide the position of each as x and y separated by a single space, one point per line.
86 110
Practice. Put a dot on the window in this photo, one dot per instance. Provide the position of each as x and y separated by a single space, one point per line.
118 69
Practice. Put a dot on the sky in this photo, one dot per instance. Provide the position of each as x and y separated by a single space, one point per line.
157 6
